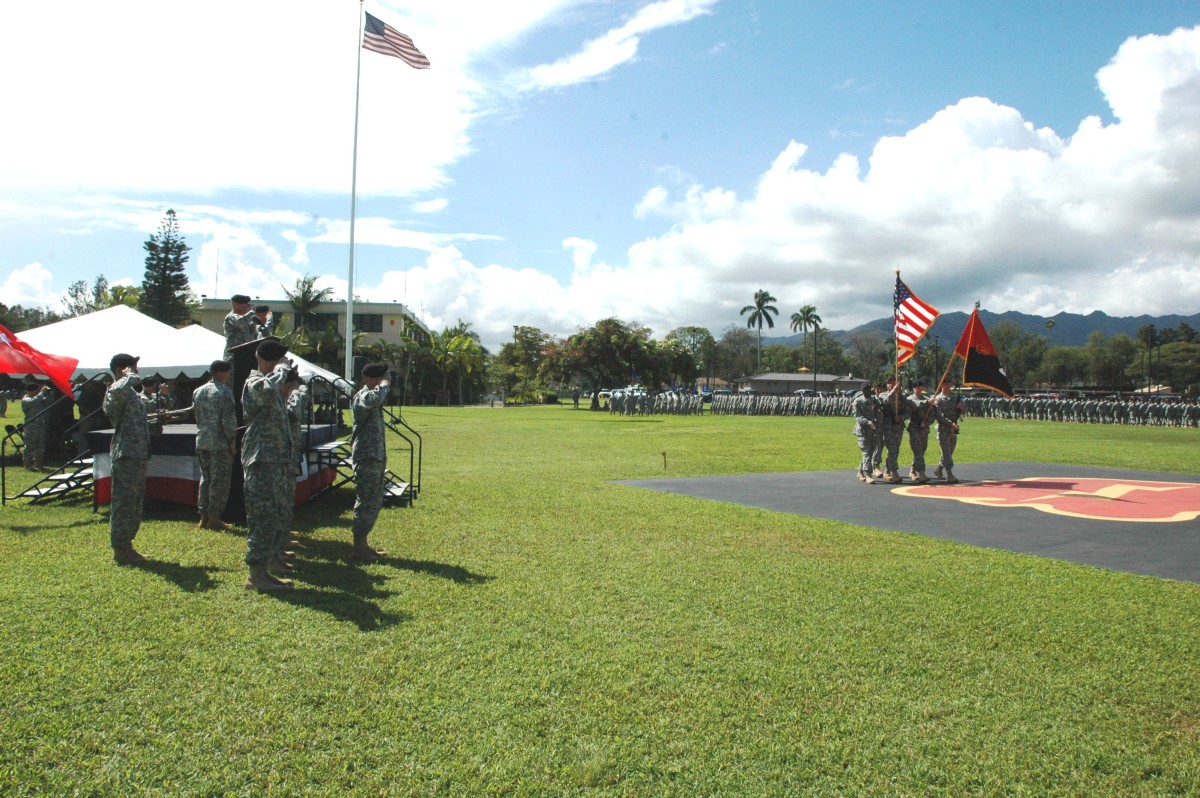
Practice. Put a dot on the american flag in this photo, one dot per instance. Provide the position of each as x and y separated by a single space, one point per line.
913 320
379 37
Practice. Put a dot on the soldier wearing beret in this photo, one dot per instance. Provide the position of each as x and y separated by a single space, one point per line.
129 453
267 461
216 443
264 321
368 455
239 323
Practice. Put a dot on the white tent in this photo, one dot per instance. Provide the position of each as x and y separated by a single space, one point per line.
215 344
95 337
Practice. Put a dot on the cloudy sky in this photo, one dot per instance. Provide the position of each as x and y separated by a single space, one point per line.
567 160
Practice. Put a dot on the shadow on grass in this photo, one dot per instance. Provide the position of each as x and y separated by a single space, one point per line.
452 572
342 552
27 529
343 606
190 578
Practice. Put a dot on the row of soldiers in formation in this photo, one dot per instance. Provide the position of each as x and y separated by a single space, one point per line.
675 403
1139 412
1133 412
881 416
272 402
789 405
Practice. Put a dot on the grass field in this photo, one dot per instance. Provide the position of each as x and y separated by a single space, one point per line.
538 630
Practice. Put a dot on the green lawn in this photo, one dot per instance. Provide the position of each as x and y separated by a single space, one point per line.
538 630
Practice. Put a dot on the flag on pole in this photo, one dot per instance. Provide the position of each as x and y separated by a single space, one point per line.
981 367
379 37
913 320
18 357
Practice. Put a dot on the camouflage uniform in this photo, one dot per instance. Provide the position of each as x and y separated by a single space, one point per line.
865 422
921 412
951 408
893 409
216 441
368 454
294 406
34 431
239 329
267 461
130 451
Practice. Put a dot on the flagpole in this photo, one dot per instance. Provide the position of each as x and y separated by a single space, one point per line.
896 361
349 365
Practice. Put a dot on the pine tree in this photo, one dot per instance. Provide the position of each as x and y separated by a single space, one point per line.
165 290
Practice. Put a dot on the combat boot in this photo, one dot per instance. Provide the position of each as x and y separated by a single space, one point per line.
861 477
216 523
263 582
364 552
937 472
877 474
950 478
921 477
203 522
895 477
126 555
278 565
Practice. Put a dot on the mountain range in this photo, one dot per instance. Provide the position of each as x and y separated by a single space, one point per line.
1069 329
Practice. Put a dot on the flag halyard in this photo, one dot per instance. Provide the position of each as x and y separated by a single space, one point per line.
380 37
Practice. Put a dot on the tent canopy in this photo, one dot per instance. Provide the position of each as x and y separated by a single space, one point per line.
215 344
164 350
95 337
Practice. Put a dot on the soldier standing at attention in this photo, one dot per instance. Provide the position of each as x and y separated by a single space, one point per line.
239 323
293 401
130 451
37 398
267 461
893 411
368 455
921 410
865 413
950 408
216 443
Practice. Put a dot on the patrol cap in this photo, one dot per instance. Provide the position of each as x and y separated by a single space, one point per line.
241 299
919 384
375 370
32 386
122 361
261 308
271 351
220 366
149 382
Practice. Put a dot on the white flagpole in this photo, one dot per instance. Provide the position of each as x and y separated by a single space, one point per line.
349 366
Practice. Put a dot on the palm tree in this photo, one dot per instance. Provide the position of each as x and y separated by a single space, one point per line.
759 312
807 319
305 299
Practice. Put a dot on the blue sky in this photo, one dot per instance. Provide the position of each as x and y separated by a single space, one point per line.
564 161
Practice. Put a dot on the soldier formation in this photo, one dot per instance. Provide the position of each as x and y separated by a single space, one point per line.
641 403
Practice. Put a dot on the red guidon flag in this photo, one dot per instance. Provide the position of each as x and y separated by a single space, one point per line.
18 357
981 367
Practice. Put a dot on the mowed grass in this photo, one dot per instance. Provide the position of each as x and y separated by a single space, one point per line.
538 630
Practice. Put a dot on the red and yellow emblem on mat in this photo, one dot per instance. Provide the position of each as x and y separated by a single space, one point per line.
1078 497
